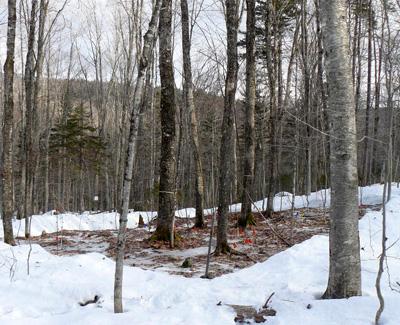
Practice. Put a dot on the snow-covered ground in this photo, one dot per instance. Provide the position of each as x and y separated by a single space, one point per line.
298 276
50 222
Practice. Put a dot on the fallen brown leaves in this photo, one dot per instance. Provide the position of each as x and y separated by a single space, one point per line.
256 244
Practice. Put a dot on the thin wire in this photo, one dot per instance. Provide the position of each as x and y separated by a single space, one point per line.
330 135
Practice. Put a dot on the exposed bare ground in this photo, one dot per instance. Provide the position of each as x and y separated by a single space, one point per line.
257 243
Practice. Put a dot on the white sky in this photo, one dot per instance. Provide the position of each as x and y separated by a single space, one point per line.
79 17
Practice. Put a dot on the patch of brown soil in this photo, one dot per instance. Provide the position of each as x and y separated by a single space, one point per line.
257 243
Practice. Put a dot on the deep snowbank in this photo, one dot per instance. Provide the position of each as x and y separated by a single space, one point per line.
298 276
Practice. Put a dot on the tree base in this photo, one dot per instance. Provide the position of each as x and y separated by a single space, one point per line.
340 294
248 221
164 234
222 249
199 224
10 241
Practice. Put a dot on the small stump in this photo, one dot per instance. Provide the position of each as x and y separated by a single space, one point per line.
187 263
141 222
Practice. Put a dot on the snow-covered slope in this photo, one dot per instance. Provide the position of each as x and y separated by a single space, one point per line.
50 222
298 276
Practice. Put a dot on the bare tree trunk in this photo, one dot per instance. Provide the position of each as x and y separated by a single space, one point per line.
368 107
271 30
47 139
373 168
166 203
344 268
248 167
131 152
358 72
7 131
389 91
306 99
188 90
29 112
35 100
227 141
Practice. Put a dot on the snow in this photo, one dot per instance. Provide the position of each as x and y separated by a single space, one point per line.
298 276
51 222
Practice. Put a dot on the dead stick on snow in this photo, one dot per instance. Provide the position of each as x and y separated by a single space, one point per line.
268 300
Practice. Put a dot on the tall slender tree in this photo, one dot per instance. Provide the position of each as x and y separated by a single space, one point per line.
189 99
249 147
366 162
227 141
29 117
148 44
7 131
344 246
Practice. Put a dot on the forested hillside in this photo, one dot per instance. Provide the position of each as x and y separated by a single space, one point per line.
220 132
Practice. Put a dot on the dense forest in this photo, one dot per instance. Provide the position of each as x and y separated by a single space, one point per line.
290 132
168 104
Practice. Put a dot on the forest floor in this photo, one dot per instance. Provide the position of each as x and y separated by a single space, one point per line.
46 282
268 237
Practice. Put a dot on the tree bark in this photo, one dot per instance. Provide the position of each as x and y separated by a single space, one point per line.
306 98
166 203
366 162
344 262
188 91
29 117
7 131
248 166
131 152
271 30
227 141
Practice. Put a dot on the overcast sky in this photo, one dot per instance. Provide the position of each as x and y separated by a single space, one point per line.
79 16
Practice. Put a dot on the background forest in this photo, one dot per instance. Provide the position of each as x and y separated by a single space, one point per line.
71 116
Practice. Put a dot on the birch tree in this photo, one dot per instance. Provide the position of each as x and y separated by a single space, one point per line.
344 246
147 50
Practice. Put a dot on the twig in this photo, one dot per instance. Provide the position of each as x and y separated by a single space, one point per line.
30 246
269 225
381 258
268 300
13 265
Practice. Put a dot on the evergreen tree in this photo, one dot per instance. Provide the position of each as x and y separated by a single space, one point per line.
76 140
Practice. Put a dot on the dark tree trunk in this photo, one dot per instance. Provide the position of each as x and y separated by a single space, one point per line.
366 162
248 166
7 132
188 90
271 30
227 141
166 203
29 117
